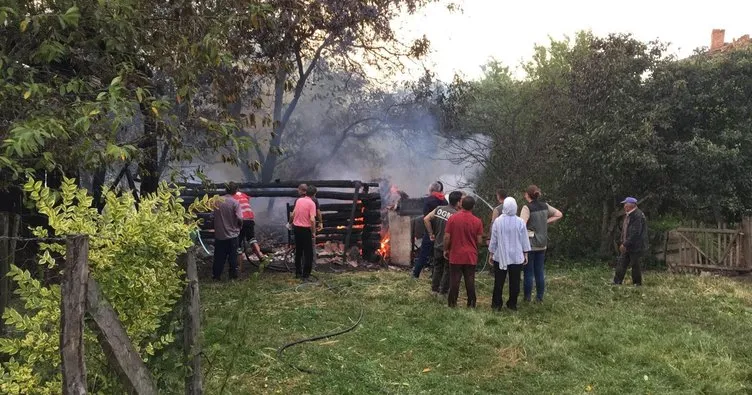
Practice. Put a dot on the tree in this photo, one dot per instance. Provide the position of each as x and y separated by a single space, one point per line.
89 85
488 125
290 45
578 126
704 121
342 123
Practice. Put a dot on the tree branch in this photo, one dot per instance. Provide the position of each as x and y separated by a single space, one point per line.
302 81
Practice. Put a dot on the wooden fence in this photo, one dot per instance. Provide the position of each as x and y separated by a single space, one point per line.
725 248
81 296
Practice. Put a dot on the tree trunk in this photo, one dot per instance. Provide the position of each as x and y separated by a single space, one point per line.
606 236
97 187
278 125
148 167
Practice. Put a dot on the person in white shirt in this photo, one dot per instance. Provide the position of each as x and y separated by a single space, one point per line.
509 245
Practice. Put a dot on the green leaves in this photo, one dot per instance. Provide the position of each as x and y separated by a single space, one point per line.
24 24
132 254
70 18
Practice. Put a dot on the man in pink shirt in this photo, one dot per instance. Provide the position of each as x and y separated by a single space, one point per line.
304 229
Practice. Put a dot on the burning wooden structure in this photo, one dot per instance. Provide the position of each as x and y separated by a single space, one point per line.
351 210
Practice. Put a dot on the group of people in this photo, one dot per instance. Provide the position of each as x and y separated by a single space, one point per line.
517 244
234 222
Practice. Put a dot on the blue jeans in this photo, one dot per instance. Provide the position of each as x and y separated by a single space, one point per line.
534 268
426 250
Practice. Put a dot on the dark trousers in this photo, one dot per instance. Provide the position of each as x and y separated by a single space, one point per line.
500 277
440 275
456 272
426 249
626 259
225 251
534 270
303 251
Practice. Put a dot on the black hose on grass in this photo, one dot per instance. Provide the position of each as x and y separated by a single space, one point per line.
315 338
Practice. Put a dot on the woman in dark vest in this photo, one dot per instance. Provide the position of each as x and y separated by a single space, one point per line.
537 215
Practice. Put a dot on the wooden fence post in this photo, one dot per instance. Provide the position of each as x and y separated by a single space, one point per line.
192 325
117 346
747 241
4 268
73 307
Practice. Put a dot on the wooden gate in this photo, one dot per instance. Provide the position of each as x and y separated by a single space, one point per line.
698 249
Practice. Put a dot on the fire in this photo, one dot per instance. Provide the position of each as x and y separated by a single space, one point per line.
357 226
384 249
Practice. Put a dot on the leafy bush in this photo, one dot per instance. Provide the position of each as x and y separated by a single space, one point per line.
132 254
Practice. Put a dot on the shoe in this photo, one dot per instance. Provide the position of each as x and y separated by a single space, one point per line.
638 285
434 294
512 307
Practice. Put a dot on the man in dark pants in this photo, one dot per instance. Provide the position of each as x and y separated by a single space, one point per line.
462 236
634 242
228 219
435 199
304 228
435 223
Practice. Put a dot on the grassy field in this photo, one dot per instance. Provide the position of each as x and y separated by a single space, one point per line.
677 334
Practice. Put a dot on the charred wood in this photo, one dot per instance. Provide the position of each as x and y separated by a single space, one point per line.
285 184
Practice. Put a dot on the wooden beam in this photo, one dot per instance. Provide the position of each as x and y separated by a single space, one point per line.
117 346
73 307
291 193
707 230
747 241
348 234
192 325
714 267
284 184
700 251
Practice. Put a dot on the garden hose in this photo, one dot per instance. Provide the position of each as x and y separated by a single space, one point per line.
196 235
315 338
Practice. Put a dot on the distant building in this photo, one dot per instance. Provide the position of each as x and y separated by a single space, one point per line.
718 42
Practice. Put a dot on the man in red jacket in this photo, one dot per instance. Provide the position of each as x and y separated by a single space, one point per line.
462 236
247 232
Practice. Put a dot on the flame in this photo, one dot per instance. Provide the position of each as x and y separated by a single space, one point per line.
384 249
341 227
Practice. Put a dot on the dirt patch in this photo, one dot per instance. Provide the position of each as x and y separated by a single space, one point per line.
509 357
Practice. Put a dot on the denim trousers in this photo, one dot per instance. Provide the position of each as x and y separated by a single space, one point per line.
426 249
534 270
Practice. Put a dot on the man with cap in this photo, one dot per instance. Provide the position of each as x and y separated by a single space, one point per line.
634 242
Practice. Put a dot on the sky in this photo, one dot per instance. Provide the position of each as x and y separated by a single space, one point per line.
507 30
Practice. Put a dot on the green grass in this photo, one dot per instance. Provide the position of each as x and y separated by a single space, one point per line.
677 334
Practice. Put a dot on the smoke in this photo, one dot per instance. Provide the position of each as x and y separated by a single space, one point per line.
346 129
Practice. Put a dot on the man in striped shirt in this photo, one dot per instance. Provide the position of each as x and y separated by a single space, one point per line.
247 232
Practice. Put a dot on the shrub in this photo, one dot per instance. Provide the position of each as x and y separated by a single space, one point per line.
132 254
